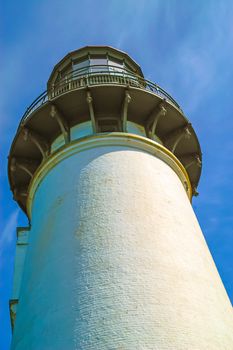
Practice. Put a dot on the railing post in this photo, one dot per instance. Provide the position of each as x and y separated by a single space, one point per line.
84 79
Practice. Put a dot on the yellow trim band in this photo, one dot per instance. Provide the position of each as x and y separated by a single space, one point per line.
111 139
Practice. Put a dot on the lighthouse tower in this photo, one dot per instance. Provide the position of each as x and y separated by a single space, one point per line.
105 164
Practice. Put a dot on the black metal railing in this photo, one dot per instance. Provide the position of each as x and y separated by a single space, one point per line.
96 75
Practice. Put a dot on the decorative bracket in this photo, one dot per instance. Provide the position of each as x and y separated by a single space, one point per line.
193 159
55 113
124 113
153 120
177 135
91 111
19 193
186 133
38 140
195 192
21 165
27 165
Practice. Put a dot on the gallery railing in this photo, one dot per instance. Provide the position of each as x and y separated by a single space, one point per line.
96 75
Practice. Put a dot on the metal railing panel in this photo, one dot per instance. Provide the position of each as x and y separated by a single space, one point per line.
96 75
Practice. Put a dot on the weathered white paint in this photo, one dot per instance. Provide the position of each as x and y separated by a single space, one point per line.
116 259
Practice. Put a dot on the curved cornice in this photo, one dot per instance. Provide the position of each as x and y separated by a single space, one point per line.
111 139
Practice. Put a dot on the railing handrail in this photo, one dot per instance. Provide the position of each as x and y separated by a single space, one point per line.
86 73
87 70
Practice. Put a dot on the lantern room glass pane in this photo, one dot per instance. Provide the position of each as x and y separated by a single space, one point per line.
80 68
115 66
98 64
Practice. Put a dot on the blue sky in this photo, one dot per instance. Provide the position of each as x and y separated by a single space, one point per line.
184 46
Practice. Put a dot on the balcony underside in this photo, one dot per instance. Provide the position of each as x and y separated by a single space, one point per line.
116 102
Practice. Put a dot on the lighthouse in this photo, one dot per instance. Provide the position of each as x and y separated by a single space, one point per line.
105 163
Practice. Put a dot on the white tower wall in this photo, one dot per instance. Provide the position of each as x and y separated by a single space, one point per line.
116 258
